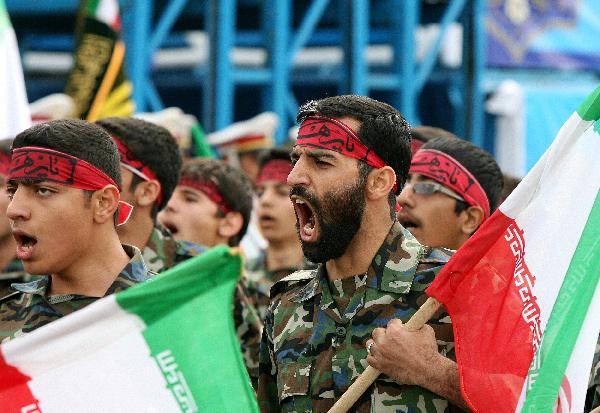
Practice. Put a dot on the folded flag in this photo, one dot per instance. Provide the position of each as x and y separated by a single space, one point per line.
14 108
523 291
97 82
167 345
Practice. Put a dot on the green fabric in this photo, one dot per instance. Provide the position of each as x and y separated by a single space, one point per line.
4 20
202 148
567 316
590 109
188 311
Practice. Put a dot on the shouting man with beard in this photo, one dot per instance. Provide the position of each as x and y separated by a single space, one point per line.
351 158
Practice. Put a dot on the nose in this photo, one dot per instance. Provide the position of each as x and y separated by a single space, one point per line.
267 196
18 206
406 196
299 175
172 205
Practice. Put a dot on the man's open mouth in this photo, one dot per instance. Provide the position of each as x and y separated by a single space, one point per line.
307 222
174 229
408 222
25 244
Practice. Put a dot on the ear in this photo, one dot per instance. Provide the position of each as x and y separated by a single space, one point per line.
105 202
380 182
230 225
146 192
472 217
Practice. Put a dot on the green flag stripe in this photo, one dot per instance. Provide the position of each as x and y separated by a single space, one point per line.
4 20
590 109
567 316
91 7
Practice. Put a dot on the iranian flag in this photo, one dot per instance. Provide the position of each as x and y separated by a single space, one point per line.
523 291
167 345
14 108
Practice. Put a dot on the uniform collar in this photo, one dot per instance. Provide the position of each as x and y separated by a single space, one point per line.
392 269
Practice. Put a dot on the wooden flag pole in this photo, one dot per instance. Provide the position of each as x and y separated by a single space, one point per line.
362 383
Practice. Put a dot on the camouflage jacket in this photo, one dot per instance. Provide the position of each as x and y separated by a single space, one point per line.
593 395
311 351
250 307
30 307
163 252
12 273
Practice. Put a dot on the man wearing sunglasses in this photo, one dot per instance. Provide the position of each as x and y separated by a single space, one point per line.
453 186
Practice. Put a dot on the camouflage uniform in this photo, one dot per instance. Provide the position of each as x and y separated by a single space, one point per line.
313 344
29 307
593 395
250 307
163 252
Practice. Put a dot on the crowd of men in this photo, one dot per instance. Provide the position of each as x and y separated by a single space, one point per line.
357 219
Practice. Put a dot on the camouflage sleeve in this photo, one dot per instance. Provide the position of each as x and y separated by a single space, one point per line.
267 394
248 330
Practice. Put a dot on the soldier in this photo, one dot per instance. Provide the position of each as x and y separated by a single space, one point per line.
12 267
211 205
150 164
351 157
64 185
452 187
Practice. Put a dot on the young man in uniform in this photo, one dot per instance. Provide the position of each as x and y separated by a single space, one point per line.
351 158
64 188
212 205
150 164
453 186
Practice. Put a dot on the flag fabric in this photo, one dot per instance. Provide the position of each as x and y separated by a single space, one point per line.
523 291
14 108
97 81
167 345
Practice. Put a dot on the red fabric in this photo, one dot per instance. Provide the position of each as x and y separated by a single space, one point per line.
275 170
486 288
128 158
331 134
45 164
415 145
15 395
4 164
449 172
209 189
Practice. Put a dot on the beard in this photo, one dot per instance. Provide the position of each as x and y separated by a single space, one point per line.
339 215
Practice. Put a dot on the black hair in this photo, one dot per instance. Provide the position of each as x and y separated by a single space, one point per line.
383 129
78 138
477 161
153 146
233 185
272 154
426 133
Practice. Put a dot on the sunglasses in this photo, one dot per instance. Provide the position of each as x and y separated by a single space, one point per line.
430 188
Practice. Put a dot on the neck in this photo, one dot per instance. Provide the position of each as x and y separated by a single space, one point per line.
284 254
138 229
362 248
93 274
8 247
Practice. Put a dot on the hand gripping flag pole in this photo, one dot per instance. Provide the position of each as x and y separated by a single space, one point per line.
362 383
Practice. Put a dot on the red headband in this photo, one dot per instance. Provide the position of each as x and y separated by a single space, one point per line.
45 164
4 164
275 170
209 189
449 172
129 162
327 133
415 145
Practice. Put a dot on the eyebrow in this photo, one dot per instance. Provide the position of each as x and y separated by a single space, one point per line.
314 153
189 191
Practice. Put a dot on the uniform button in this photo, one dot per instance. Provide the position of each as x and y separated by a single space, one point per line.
340 331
